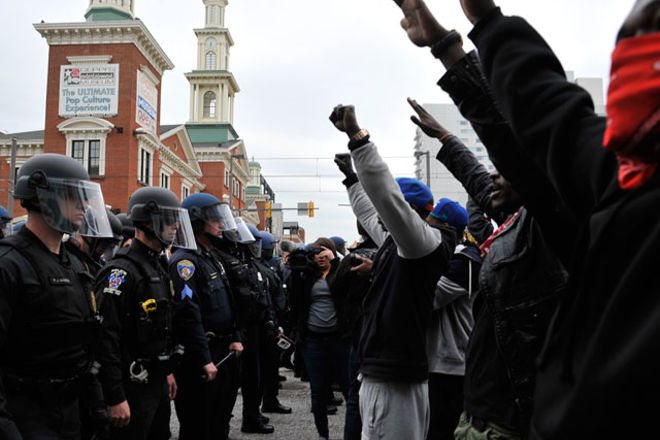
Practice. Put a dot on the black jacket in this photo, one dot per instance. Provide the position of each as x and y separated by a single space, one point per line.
522 278
300 288
600 368
349 290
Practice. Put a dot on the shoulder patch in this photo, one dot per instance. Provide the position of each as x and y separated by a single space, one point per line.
116 278
186 269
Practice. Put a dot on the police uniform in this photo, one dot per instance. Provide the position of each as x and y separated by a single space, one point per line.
271 352
136 344
205 322
48 321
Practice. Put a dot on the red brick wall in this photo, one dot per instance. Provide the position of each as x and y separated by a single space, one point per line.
121 166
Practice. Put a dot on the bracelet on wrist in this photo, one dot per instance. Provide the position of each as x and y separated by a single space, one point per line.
439 47
444 137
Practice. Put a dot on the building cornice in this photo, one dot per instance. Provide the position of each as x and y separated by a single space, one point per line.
212 77
215 31
108 32
28 147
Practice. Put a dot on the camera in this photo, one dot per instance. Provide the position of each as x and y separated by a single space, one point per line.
300 259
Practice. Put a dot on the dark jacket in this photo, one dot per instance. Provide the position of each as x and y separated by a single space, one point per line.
203 302
522 278
300 285
600 367
349 290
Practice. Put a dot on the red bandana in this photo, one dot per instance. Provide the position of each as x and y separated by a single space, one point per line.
485 247
633 108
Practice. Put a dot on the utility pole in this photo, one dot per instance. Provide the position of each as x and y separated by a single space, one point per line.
12 168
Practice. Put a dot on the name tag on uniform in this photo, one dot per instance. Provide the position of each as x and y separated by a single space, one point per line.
154 279
59 281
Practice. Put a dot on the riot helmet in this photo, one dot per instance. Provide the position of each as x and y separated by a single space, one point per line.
59 188
4 219
268 243
206 208
255 247
127 227
243 234
158 213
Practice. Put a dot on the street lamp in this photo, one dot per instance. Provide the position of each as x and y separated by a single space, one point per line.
231 177
427 153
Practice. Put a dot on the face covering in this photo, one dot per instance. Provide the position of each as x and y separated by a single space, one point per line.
633 108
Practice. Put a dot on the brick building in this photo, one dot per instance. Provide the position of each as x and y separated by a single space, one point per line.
103 108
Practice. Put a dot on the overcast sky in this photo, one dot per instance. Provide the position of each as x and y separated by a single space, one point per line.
294 61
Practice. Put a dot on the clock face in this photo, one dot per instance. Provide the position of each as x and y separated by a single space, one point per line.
210 43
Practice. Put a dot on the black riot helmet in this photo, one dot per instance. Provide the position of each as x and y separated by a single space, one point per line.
59 188
127 227
160 207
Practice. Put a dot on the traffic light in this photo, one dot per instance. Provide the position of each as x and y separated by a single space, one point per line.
267 207
310 208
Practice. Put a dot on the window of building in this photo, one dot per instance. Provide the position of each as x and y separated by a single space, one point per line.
145 167
164 180
210 60
466 131
185 191
226 179
462 122
88 154
209 104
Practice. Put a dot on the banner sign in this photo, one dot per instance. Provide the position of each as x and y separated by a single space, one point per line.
147 103
89 90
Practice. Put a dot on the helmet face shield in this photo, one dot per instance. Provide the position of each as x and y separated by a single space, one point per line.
221 215
242 234
172 227
71 206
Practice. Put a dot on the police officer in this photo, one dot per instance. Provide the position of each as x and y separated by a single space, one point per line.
205 320
95 251
5 218
47 309
92 252
268 265
127 230
137 348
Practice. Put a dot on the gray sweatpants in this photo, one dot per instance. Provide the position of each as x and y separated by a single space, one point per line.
394 410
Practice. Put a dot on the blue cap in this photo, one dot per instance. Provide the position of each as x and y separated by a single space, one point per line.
452 213
416 193
338 241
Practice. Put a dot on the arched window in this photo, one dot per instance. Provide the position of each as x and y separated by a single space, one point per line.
210 60
209 105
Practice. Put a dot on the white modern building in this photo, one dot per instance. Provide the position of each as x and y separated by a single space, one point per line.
442 183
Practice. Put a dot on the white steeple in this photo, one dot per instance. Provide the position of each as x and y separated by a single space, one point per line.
212 86
104 10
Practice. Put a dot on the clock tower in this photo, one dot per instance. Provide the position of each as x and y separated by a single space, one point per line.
212 85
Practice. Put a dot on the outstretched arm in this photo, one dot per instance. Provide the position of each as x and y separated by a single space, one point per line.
362 207
413 236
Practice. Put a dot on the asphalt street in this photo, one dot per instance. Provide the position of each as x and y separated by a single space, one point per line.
298 425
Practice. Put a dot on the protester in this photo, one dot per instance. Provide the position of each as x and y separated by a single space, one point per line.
606 329
314 311
451 325
411 258
350 285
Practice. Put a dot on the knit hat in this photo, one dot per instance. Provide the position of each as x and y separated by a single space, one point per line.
451 213
416 193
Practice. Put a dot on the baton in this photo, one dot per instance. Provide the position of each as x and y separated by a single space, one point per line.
222 361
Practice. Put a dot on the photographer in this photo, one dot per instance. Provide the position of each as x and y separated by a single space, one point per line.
314 314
